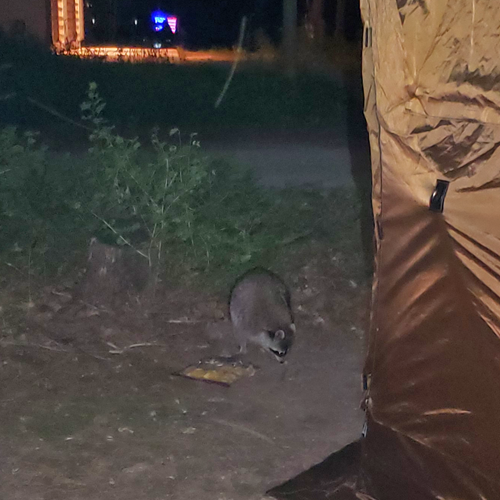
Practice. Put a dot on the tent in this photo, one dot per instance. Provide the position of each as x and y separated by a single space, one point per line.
431 72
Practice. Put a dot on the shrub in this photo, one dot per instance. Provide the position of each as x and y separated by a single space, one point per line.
170 201
182 211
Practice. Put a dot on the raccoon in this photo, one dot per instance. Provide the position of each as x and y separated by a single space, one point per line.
261 313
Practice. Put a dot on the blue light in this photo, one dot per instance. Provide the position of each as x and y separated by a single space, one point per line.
158 18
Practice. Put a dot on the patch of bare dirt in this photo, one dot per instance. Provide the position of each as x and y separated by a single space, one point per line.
90 407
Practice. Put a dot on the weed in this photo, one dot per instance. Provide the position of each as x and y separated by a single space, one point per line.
187 214
178 202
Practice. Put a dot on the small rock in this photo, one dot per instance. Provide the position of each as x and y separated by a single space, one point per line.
43 315
318 320
135 469
63 296
88 312
219 314
216 400
101 420
125 429
107 332
54 305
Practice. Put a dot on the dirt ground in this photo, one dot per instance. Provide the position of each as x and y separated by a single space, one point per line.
91 408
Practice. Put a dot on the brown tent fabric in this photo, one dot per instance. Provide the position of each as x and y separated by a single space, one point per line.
431 73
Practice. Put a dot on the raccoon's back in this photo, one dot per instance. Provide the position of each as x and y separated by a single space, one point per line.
260 300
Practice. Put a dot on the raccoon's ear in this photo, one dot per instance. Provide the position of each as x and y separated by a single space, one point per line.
292 327
279 335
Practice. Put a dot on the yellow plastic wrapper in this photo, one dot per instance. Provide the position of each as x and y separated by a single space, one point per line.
218 372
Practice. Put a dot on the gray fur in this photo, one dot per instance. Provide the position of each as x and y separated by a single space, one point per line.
261 313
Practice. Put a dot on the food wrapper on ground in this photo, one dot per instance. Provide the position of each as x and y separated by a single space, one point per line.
218 372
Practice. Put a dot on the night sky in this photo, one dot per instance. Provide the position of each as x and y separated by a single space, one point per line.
203 23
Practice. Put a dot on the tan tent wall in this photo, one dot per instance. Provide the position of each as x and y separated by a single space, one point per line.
34 13
431 74
432 82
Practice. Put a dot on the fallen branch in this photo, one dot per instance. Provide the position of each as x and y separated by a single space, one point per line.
235 63
243 428
184 321
118 350
39 346
56 113
109 226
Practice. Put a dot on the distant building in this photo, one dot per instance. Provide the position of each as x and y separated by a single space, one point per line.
56 22
67 22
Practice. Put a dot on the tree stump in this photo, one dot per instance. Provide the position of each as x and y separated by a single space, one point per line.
113 275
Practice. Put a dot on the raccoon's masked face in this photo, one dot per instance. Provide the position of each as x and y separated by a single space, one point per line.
278 342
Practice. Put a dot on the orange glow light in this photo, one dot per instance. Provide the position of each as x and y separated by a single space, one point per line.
129 54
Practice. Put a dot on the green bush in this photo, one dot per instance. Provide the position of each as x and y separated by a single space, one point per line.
182 211
26 201
170 200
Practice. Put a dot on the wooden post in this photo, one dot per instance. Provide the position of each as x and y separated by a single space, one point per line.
340 20
318 22
290 36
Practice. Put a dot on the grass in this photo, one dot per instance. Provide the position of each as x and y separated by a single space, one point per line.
140 96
